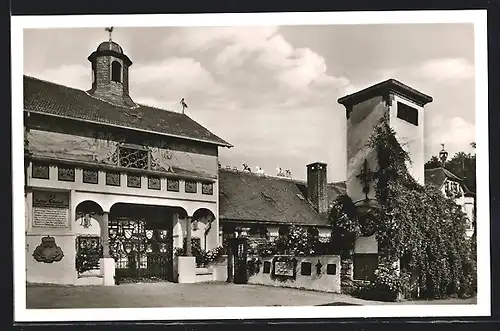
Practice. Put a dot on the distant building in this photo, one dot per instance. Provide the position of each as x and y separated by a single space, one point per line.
453 187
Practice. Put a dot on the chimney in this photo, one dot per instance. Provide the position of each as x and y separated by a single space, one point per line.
316 186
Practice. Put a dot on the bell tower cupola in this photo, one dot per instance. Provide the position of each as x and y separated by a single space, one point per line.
110 73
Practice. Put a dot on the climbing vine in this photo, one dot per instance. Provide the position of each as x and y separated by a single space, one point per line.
414 224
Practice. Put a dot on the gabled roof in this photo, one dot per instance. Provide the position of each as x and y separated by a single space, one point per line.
437 176
249 197
58 100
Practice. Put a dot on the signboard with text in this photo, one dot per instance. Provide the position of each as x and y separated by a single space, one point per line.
50 209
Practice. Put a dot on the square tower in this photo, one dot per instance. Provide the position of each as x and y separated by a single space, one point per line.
403 107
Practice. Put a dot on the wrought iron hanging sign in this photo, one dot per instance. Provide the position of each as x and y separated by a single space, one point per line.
366 177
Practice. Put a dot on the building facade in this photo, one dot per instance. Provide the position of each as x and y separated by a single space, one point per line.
112 186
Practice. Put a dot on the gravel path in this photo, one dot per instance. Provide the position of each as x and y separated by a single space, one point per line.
188 295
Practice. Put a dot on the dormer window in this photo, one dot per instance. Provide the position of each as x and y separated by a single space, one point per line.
116 72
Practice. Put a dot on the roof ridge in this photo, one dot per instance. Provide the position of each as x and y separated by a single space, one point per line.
52 82
111 103
296 180
93 96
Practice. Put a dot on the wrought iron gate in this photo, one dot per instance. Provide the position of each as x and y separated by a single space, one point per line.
141 250
239 248
88 254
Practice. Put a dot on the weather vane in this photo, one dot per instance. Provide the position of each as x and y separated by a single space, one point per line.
110 30
443 155
183 104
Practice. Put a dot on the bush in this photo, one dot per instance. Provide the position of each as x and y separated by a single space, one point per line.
203 257
386 286
298 242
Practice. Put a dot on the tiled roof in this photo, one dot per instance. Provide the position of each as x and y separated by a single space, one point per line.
333 190
249 197
437 176
53 99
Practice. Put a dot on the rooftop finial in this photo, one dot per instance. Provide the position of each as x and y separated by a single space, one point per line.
443 155
110 30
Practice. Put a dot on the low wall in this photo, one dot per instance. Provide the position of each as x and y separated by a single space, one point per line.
320 273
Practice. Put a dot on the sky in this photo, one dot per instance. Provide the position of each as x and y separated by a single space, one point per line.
272 91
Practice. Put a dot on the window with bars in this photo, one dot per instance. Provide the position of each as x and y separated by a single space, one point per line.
134 157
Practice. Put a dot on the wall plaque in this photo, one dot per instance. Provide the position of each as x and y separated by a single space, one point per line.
50 209
283 268
331 269
48 251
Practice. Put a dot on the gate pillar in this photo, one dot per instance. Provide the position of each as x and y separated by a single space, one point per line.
107 262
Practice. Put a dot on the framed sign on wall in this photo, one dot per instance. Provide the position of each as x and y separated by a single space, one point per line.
50 209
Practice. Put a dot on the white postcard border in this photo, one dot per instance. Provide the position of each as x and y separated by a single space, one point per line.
477 17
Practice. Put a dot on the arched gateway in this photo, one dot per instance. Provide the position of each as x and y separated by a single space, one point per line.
141 241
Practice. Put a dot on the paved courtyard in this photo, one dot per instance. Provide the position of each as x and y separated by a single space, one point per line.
187 295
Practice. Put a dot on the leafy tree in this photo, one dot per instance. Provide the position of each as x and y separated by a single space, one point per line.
415 224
